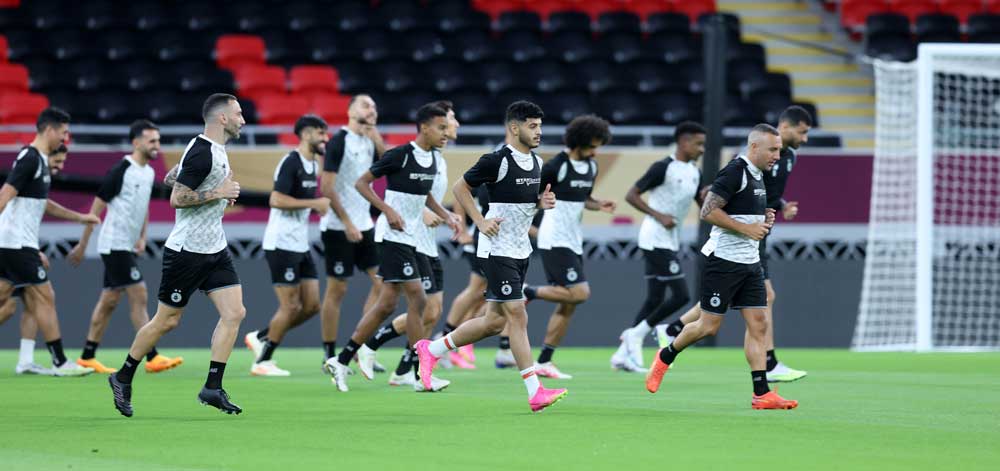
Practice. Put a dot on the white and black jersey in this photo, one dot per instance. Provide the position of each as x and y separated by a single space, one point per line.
741 184
22 217
203 167
512 180
409 172
672 186
288 229
126 190
572 181
427 236
349 155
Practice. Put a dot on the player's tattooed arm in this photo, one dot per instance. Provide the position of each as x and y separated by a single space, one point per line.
711 203
712 213
184 197
171 177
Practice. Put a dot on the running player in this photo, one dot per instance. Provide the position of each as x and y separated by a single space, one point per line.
431 275
286 240
29 330
672 184
195 255
125 193
736 206
410 171
571 174
347 232
24 199
793 125
512 176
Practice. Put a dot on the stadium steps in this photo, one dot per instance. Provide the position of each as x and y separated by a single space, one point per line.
842 91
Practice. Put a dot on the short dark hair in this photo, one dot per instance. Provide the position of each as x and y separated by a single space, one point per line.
582 131
795 115
51 117
522 111
309 121
428 112
686 128
62 149
138 127
213 102
355 98
446 105
765 128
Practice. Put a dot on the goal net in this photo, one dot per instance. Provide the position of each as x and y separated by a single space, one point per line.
932 266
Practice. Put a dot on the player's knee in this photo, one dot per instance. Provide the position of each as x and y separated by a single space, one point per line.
168 322
309 308
111 297
495 325
336 288
235 314
291 306
580 294
709 325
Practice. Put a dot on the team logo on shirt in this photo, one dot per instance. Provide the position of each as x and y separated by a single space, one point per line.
505 289
289 274
716 300
176 296
407 269
571 274
675 267
426 283
134 273
338 268
41 273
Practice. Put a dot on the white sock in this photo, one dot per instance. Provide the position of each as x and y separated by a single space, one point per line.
622 349
642 329
27 354
441 346
530 381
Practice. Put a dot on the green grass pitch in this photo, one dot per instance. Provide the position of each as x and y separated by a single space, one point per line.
879 411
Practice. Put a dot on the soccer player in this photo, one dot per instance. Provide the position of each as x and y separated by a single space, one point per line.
571 175
125 193
29 330
195 255
347 232
793 125
431 275
286 240
410 171
24 199
512 176
736 206
672 184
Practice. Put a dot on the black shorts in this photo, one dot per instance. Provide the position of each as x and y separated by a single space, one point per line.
341 256
184 272
762 250
120 269
563 267
504 278
662 264
22 267
729 285
290 268
475 263
399 262
431 273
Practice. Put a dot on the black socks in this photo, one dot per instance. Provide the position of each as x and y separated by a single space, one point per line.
675 328
759 382
772 360
56 350
127 371
348 353
330 349
667 355
383 335
215 371
152 354
269 347
546 355
89 351
505 343
262 333
405 362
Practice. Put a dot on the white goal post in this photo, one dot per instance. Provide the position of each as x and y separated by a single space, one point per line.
932 265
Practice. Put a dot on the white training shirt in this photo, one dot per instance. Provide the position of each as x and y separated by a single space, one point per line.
672 186
203 167
126 190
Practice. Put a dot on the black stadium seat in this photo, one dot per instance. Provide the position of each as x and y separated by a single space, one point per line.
403 16
67 45
473 107
376 45
351 16
423 46
285 47
99 15
668 23
519 21
354 77
621 107
326 46
251 17
898 48
571 46
618 22
547 77
450 76
569 22
521 46
122 45
672 48
497 76
475 46
650 77
151 16
938 28
887 24
622 47
459 20
199 77
601 76
178 45
984 28
672 108
49 15
563 107
396 77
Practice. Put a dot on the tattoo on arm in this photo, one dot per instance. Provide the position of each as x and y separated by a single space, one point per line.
185 197
712 202
171 177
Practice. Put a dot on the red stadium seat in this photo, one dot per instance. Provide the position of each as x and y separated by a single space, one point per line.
3 48
854 13
312 79
913 8
544 8
280 108
233 51
13 78
21 108
694 8
495 7
16 138
254 81
594 8
992 6
961 9
644 8
332 108
10 3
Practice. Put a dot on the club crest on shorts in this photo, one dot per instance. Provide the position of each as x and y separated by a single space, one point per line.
407 269
176 296
134 273
675 267
505 289
289 274
338 268
426 283
715 301
571 274
41 273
